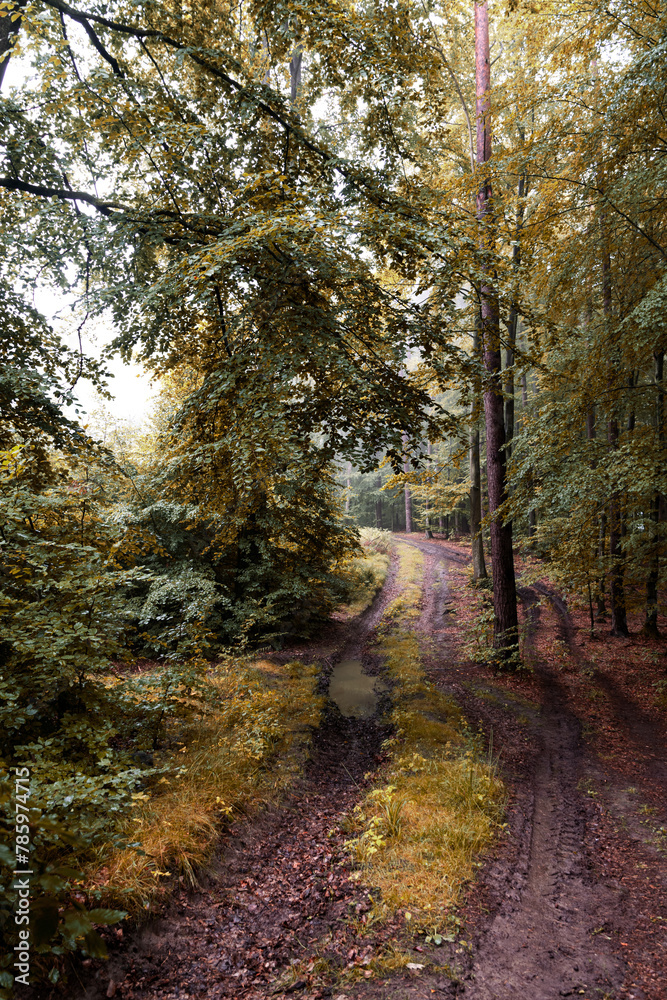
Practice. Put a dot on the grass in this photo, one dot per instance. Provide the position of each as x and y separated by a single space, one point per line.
244 751
440 801
366 573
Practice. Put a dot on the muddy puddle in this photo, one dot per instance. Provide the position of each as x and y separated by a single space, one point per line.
355 693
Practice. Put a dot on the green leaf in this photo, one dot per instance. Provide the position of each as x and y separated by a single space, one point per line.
44 924
77 922
106 917
94 946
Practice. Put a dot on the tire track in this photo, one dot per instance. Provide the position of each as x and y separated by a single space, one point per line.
546 938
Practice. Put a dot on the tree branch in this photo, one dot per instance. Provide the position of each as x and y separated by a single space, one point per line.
105 207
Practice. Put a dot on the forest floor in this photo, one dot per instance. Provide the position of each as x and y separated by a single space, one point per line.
570 901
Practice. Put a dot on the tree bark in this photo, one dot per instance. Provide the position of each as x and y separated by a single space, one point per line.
408 496
650 628
506 630
378 506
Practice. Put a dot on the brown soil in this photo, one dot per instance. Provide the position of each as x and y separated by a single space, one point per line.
571 900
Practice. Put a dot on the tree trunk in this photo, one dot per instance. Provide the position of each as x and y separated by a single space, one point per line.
506 630
650 628
348 484
478 563
408 496
427 532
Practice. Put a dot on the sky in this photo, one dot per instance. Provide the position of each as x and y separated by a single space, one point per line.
131 385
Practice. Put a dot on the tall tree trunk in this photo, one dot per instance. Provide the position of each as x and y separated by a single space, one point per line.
651 622
505 638
427 530
408 495
348 484
619 624
378 506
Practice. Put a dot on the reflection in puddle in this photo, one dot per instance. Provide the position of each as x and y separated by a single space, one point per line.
355 693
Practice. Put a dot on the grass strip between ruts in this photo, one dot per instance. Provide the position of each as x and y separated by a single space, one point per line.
438 801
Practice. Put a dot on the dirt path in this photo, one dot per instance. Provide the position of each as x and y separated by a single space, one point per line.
273 902
558 921
570 902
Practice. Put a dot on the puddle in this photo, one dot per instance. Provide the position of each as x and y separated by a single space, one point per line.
355 693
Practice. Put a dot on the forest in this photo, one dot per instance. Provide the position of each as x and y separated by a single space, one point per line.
343 674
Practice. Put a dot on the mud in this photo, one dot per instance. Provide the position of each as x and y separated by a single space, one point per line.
539 943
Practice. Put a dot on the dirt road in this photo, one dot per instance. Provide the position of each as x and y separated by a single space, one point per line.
570 902
560 923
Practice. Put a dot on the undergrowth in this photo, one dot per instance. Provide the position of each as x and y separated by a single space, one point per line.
366 572
476 618
235 743
243 750
440 801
